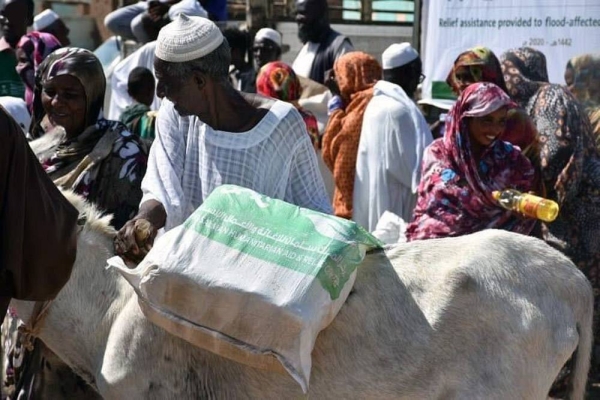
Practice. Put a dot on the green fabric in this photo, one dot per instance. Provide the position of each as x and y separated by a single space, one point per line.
10 82
283 234
137 119
441 90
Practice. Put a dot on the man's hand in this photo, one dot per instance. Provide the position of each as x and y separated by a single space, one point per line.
135 239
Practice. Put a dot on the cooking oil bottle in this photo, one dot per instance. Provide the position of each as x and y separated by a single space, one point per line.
527 204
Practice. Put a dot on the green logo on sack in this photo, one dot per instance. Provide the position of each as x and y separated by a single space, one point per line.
306 241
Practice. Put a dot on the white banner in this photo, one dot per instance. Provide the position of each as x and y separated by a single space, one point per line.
561 29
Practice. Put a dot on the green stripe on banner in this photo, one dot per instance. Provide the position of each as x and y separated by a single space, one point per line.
441 90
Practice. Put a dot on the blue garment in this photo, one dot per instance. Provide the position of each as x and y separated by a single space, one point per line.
217 9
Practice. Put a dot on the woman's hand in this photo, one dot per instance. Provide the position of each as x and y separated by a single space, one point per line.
135 239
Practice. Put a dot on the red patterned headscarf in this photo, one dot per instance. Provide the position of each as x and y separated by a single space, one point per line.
455 193
481 64
278 80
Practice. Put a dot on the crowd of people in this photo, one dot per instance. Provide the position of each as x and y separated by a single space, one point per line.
338 131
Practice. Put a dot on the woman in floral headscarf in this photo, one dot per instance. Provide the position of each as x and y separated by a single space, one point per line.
32 49
462 169
96 158
569 160
480 64
278 80
69 95
583 79
354 75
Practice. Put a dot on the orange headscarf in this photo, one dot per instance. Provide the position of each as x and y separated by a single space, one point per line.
356 74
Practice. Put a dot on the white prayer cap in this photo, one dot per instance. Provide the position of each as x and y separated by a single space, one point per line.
17 108
397 55
268 33
187 38
44 19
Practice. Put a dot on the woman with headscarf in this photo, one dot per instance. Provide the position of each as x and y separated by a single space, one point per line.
569 160
31 50
583 80
278 80
480 64
98 159
462 169
353 78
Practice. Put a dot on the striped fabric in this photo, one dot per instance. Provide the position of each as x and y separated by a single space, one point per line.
188 160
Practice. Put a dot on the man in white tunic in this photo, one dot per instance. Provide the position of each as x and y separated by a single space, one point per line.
393 137
209 134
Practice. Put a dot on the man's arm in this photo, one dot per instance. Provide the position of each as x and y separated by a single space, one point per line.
163 202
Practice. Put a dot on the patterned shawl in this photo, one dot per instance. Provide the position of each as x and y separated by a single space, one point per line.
569 160
356 74
278 80
36 46
455 193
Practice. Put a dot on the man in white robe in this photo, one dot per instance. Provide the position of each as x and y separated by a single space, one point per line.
209 134
393 137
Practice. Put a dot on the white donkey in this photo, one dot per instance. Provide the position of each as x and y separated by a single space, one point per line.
493 315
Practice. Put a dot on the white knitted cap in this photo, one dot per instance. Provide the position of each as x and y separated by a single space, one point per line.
397 55
44 19
187 38
268 33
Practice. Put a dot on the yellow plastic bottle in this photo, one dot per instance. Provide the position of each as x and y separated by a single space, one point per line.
527 204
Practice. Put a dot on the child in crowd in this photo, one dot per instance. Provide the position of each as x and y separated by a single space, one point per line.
138 117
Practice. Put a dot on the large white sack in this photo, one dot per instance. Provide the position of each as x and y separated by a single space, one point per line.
251 278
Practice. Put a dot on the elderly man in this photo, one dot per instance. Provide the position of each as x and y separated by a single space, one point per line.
15 17
322 45
393 138
267 47
209 134
50 22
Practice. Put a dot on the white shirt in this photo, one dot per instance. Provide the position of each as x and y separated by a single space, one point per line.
188 160
305 58
393 138
119 98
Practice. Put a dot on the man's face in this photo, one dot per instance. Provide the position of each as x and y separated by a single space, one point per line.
311 17
265 51
60 31
186 95
17 17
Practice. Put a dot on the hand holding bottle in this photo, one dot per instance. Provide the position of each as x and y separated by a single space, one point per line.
530 205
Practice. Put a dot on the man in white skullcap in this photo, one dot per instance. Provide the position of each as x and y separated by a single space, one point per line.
209 134
267 47
393 138
50 22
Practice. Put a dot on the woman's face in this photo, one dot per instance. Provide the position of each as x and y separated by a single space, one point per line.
25 68
64 102
484 130
464 78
